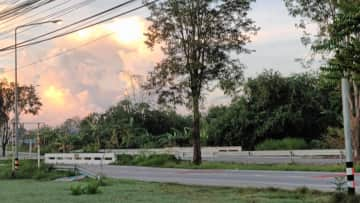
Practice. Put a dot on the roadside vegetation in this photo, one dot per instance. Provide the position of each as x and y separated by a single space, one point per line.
28 170
169 161
255 120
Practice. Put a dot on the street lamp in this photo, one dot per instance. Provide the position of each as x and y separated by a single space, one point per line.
16 84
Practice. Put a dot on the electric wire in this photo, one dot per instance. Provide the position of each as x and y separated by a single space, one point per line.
85 44
57 14
19 45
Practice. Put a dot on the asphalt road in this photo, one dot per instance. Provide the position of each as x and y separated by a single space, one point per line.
232 178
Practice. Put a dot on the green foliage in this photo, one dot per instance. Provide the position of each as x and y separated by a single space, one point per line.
143 160
124 125
274 107
28 170
344 198
91 188
334 138
197 38
283 144
76 189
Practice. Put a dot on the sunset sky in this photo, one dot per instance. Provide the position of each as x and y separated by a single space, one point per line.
97 75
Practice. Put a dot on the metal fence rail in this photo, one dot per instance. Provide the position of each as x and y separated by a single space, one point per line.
234 154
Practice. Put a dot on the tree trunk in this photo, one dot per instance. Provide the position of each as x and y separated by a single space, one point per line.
355 132
196 132
3 150
354 102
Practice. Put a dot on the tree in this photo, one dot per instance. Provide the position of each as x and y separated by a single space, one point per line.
343 41
29 103
197 38
321 12
275 107
69 134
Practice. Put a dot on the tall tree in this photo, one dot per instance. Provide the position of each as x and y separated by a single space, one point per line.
197 38
339 40
29 103
344 44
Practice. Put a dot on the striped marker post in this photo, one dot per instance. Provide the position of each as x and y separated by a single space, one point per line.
350 174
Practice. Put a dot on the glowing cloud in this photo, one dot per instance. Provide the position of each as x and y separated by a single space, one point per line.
128 30
54 96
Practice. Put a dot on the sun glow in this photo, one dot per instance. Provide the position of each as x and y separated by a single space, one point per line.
54 95
128 30
84 34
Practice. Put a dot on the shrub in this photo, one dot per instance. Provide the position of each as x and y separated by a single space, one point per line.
334 138
124 159
159 160
91 148
344 198
143 160
284 144
102 181
91 188
76 189
28 170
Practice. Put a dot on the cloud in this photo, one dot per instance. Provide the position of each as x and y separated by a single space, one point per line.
92 77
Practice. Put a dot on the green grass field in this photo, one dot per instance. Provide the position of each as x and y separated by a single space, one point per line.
28 191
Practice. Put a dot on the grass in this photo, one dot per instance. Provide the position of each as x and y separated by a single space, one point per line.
283 144
28 170
24 191
169 161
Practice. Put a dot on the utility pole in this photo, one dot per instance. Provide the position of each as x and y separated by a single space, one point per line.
345 89
38 145
17 88
345 94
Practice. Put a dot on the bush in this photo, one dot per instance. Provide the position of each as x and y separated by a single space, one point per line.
91 148
124 159
284 144
28 170
143 160
91 188
76 189
102 181
344 198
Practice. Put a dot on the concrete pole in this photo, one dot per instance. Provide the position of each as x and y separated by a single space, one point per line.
345 90
16 101
38 146
30 148
13 149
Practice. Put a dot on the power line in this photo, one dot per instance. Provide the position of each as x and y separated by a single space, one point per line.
88 26
62 12
70 25
82 45
23 7
56 14
63 52
14 17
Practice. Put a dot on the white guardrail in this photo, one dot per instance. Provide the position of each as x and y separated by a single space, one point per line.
212 152
177 151
80 158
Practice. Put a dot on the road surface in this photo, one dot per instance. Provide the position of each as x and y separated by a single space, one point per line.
232 178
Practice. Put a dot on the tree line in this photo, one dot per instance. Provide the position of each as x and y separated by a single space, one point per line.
272 106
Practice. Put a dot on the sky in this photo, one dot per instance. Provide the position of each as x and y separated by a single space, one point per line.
95 76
